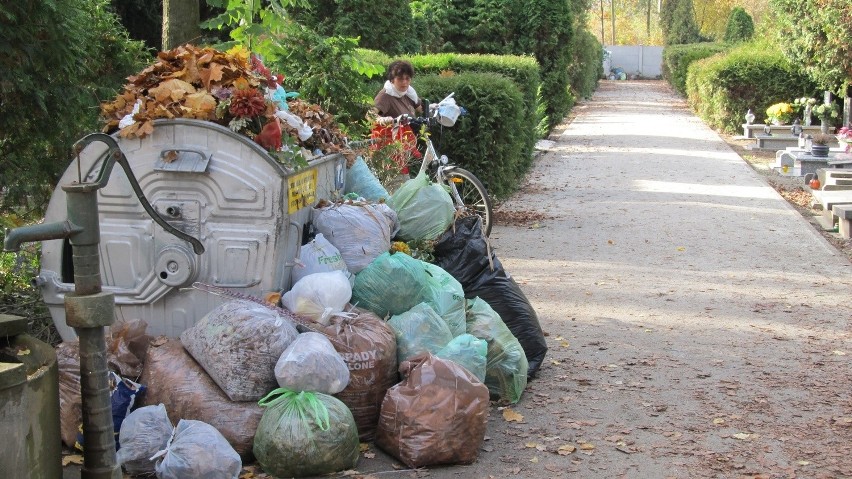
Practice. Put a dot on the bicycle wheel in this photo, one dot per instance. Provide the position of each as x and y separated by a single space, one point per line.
473 194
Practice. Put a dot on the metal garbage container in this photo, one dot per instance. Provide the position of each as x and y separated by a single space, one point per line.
247 209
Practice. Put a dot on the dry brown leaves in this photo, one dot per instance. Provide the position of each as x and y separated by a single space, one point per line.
530 219
327 135
178 85
183 82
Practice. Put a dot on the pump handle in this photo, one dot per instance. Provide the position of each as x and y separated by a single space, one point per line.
115 155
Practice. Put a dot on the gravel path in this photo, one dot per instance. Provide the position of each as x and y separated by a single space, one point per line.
698 325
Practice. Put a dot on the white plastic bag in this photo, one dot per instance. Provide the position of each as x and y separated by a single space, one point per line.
319 256
303 131
312 364
197 451
319 296
143 432
361 231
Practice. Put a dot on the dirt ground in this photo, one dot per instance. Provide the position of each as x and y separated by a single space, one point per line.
698 325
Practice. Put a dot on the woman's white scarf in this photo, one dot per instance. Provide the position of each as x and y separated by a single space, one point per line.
410 93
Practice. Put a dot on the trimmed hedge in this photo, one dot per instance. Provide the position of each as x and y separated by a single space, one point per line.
587 65
522 70
677 58
723 87
486 140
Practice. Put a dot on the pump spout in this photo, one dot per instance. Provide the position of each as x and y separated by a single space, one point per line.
27 234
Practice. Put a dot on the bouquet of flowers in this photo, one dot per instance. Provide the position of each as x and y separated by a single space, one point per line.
844 137
780 113
826 112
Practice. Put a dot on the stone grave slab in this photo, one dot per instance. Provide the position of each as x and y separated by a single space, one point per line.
755 129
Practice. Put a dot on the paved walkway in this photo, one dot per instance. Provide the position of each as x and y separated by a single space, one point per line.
698 325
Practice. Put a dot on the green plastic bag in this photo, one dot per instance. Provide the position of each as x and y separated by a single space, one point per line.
394 283
469 351
507 366
425 209
419 330
446 297
391 284
305 434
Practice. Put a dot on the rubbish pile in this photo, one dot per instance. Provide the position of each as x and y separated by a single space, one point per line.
371 343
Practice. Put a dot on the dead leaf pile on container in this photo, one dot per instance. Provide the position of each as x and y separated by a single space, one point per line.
233 89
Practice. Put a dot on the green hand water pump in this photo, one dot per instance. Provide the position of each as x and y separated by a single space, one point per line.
89 310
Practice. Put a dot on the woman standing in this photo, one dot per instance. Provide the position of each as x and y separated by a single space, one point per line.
397 97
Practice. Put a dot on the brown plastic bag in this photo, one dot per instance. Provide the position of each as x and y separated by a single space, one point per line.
436 415
178 382
371 359
127 344
70 399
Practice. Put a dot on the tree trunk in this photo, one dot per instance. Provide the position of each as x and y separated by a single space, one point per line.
181 20
648 20
612 8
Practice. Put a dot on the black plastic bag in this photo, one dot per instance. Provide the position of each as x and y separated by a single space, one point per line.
463 252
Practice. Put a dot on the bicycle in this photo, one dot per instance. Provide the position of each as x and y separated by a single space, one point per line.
466 190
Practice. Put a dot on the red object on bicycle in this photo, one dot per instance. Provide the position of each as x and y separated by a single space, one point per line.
385 135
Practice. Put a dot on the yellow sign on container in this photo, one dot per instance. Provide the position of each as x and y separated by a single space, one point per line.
301 190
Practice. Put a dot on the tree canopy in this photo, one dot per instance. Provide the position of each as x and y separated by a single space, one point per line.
59 59
817 34
740 27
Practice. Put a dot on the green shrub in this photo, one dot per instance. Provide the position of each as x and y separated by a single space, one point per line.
740 27
723 87
59 60
677 58
587 64
677 20
546 27
541 28
817 34
486 140
523 70
384 25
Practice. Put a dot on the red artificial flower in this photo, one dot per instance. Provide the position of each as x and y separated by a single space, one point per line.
270 136
259 68
248 102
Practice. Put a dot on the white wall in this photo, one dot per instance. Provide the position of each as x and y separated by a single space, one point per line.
642 60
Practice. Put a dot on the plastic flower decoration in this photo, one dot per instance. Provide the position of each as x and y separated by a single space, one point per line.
780 113
844 137
231 88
